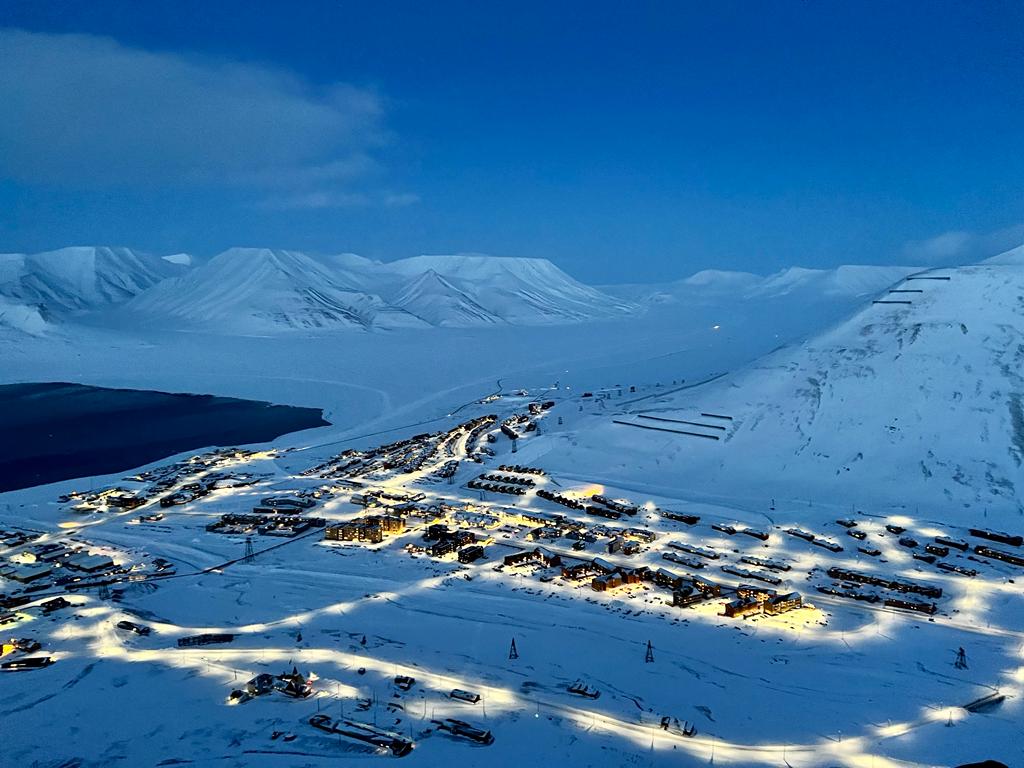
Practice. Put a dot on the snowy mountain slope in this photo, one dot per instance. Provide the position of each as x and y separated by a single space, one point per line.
848 281
917 405
262 289
27 318
245 289
437 301
518 291
81 278
1014 256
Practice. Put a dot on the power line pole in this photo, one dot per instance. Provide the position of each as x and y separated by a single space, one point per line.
649 658
512 652
250 556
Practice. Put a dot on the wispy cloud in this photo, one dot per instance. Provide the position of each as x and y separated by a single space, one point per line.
962 247
322 199
314 201
87 111
400 199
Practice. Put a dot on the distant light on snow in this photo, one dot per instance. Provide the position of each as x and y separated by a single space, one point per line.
715 327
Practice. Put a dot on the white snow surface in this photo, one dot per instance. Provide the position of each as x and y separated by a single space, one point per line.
26 318
915 406
1012 257
183 259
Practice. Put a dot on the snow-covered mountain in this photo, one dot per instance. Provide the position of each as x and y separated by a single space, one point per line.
846 282
259 289
433 298
264 290
917 402
515 291
1012 257
41 290
81 278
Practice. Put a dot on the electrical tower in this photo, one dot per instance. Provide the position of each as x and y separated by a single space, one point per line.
249 554
512 652
649 658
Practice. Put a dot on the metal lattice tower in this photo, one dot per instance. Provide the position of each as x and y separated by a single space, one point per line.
513 653
249 554
649 658
961 659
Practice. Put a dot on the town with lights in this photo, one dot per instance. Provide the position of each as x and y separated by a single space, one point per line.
441 593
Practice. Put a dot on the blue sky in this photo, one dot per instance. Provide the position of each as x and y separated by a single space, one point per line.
625 142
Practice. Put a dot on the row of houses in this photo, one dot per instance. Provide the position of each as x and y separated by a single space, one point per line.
746 573
369 528
623 508
162 479
537 556
45 561
11 539
694 591
521 470
445 541
285 526
842 574
817 541
997 536
614 579
997 554
752 601
479 426
495 477
679 517
485 485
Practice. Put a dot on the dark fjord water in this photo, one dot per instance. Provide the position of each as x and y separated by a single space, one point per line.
56 431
